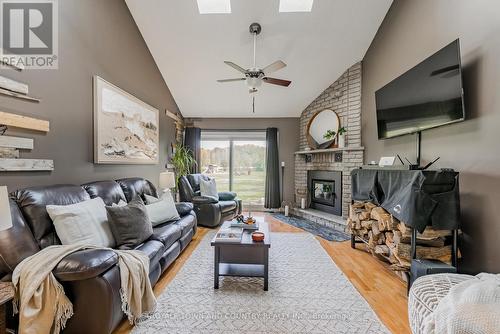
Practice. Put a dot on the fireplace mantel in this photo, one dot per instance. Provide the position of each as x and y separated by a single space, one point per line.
330 150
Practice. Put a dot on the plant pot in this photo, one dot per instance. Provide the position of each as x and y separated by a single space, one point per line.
341 141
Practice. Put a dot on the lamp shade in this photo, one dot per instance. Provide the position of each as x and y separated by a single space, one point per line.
167 180
5 217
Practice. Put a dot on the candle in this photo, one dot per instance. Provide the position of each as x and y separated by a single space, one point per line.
286 210
302 203
282 164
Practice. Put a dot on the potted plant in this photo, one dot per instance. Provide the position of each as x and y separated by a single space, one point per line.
183 161
341 136
329 135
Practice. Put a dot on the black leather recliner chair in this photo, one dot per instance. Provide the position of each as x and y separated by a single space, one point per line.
209 211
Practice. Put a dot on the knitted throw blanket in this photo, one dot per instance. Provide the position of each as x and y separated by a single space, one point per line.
42 304
471 307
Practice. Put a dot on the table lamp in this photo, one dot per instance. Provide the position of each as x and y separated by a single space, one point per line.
167 181
5 217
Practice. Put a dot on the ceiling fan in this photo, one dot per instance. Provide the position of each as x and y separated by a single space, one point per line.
255 76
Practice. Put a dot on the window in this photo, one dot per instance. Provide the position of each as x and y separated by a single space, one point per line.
237 162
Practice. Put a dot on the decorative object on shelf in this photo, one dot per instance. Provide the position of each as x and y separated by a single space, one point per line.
126 129
322 129
341 137
329 135
24 122
258 236
386 161
182 160
167 181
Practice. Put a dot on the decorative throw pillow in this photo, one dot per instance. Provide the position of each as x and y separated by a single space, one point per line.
120 203
84 223
209 188
129 224
161 210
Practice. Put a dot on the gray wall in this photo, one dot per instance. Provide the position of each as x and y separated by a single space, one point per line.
95 37
412 31
288 129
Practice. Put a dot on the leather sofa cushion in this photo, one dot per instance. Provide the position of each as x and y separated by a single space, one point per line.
109 191
154 250
16 243
184 208
133 187
227 196
186 224
226 206
85 264
167 234
33 201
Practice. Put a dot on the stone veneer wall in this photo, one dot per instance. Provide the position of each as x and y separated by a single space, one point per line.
343 97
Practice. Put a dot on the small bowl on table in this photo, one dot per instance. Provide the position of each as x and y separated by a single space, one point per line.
258 236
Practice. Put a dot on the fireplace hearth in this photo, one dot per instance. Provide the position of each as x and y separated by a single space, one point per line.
325 191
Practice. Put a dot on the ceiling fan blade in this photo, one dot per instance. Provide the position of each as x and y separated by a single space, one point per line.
277 65
278 82
230 80
236 67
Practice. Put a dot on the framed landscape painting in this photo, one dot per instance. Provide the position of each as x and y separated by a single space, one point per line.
126 130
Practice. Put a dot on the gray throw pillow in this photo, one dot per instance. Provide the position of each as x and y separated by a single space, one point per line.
209 188
129 224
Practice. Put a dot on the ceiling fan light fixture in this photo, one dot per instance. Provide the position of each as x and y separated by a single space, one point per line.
214 6
295 6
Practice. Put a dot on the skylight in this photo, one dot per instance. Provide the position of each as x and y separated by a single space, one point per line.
289 6
214 6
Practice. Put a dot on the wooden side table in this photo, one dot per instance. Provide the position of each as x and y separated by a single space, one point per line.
6 295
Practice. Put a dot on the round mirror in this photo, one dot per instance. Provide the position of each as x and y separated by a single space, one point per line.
322 129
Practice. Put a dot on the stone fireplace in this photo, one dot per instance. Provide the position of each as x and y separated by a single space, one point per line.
343 97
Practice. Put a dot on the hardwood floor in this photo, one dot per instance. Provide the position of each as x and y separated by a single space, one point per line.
381 288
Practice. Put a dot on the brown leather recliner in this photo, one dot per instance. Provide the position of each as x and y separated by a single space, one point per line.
210 211
91 277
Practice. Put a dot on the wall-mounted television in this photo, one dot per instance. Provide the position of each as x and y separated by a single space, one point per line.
427 96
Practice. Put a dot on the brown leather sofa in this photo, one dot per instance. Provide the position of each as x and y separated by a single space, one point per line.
211 212
90 278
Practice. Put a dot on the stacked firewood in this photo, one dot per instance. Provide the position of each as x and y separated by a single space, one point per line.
390 239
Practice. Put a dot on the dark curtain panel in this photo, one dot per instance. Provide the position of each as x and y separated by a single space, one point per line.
192 140
272 197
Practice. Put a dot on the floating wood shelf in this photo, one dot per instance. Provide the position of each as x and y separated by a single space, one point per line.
26 165
331 150
18 96
24 122
13 86
16 142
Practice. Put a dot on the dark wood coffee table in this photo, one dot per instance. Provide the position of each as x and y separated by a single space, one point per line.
243 259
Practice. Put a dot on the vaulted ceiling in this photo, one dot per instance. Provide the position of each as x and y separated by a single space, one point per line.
189 49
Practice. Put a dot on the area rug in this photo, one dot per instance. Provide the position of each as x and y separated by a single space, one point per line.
325 232
307 294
